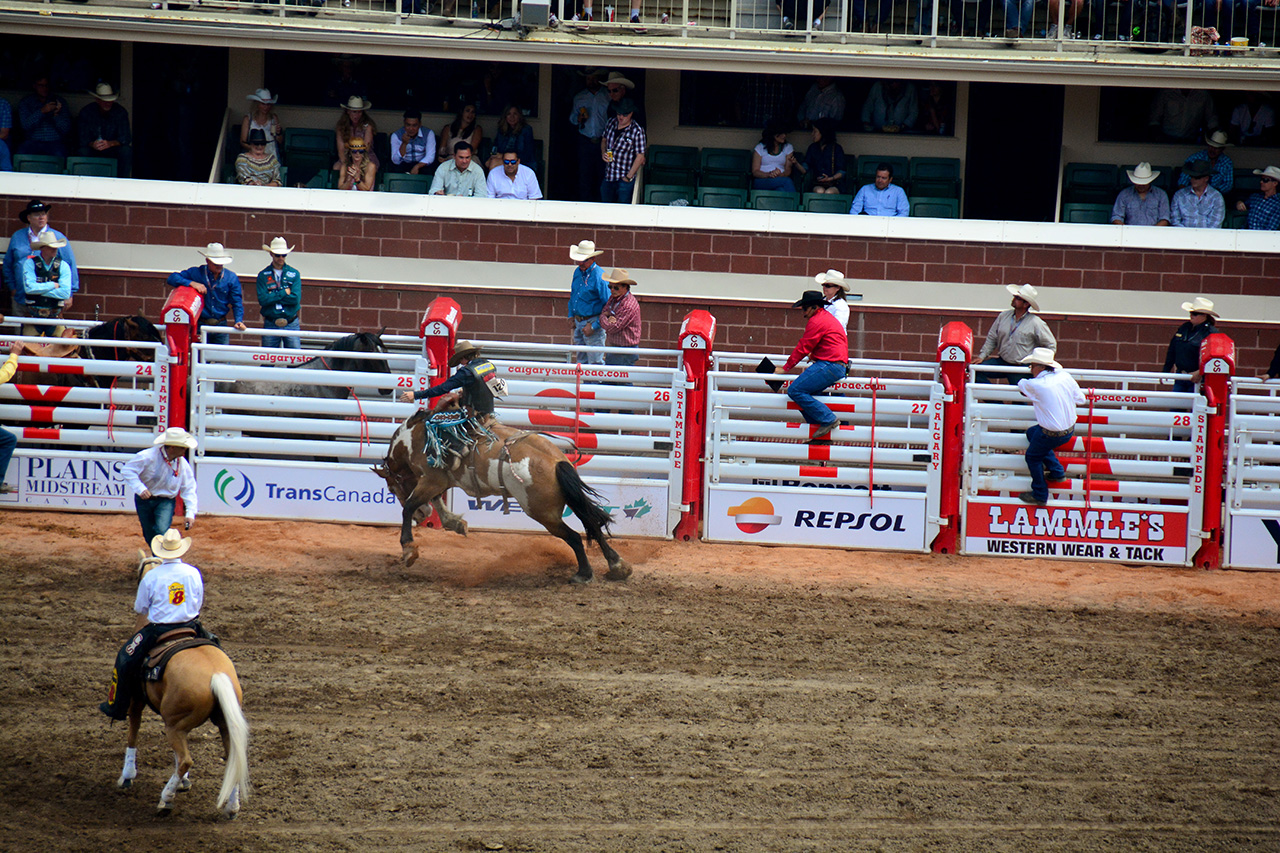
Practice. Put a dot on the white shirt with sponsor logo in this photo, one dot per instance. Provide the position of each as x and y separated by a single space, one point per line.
1055 395
173 591
150 471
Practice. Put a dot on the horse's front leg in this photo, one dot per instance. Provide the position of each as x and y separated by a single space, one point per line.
422 494
449 520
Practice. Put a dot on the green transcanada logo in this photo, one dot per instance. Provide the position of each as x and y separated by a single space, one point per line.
225 483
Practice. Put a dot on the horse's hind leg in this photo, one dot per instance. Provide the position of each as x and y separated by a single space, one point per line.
449 520
619 569
181 766
569 535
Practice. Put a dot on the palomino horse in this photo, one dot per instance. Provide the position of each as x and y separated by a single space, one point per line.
515 464
199 684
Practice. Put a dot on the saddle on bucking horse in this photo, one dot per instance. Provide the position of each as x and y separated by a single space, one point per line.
450 434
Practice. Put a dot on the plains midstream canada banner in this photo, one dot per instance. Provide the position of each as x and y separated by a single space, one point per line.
1155 534
52 482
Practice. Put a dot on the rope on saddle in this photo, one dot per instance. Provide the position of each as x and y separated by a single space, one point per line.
450 434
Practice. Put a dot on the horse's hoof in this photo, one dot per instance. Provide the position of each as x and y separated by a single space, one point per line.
620 571
124 784
581 578
462 528
164 809
184 786
231 815
409 556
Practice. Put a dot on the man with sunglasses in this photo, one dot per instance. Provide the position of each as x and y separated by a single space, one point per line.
280 297
514 179
1264 205
1184 349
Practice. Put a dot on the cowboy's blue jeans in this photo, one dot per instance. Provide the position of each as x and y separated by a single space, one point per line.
288 341
816 378
155 514
1040 454
8 441
595 339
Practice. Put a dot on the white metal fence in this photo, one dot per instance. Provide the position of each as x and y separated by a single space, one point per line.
1253 476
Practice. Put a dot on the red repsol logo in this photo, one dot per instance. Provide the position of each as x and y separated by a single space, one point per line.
1077 524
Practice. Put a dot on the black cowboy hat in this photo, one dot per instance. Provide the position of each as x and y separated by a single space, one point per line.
257 137
810 297
34 206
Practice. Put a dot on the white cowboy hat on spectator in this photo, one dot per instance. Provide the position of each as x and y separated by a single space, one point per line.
1042 356
104 92
216 252
356 102
1142 174
279 246
170 545
1269 172
1217 139
832 277
619 78
1200 305
620 276
1025 291
262 96
48 238
176 437
585 249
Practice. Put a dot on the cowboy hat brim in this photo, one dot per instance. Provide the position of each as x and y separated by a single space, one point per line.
1017 291
1031 359
270 250
578 255
1191 306
157 541
824 279
218 259
463 355
1141 181
189 441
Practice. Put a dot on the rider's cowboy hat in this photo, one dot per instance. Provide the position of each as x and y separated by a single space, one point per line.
832 277
170 545
461 352
262 96
1142 174
1025 291
1200 305
585 249
34 206
104 92
1042 356
1269 172
1217 139
279 246
176 437
216 252
808 299
48 238
620 276
356 102
619 78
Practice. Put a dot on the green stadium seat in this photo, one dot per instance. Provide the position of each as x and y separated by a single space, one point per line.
1090 183
724 167
96 167
867 164
1236 219
935 208
394 182
667 193
826 203
309 139
41 163
1084 212
727 197
936 177
774 200
673 165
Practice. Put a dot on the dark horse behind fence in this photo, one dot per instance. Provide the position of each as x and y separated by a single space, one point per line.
515 464
120 332
286 386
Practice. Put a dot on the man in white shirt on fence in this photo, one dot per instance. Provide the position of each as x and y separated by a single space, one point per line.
1054 394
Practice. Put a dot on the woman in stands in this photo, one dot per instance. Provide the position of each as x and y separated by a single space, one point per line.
358 171
772 160
355 123
256 167
513 134
463 128
263 117
823 165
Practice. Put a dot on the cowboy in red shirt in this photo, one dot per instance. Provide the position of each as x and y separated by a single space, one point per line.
825 343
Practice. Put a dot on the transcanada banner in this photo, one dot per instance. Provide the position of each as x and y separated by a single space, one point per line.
254 490
57 482
822 517
1155 534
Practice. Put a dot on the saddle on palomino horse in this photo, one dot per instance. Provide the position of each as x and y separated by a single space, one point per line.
168 645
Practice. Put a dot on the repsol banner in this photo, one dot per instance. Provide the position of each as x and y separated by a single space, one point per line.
51 482
1254 542
255 490
1156 535
637 510
834 518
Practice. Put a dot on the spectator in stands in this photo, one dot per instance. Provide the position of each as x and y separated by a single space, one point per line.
46 283
826 345
344 86
590 112
496 89
8 441
463 128
764 99
882 198
1015 333
513 179
358 172
1222 174
618 87
513 134
1264 205
36 219
823 100
823 165
104 130
219 288
1141 203
1054 394
46 120
257 167
835 291
1180 115
620 318
772 161
1253 122
890 107
6 129
623 150
937 109
280 297
461 176
262 116
587 297
1069 20
355 123
1199 205
790 10
1017 17
413 150
1183 355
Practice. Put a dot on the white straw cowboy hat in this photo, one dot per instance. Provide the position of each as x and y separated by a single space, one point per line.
585 249
216 252
1200 305
620 276
1142 174
462 349
279 246
171 545
1042 356
104 92
1217 139
1269 172
834 277
176 437
47 238
1025 291
356 102
262 96
619 78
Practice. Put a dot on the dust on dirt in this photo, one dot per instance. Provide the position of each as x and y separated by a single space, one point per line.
724 698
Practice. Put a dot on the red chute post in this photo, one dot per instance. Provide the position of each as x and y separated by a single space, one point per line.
955 351
1217 363
697 336
439 331
181 317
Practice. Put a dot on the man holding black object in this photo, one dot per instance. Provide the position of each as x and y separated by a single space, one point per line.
827 346
1054 394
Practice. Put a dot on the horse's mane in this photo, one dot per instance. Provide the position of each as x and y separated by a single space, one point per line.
359 342
135 328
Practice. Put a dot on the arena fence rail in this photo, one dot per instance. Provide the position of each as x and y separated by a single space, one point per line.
1253 476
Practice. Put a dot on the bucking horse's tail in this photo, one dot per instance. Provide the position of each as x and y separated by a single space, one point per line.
581 498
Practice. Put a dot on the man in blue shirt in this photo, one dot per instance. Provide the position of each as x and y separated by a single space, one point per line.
883 198
1222 175
1199 205
587 296
36 217
219 289
1141 204
1264 205
590 111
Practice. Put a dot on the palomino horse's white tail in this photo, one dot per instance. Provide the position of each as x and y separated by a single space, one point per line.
235 780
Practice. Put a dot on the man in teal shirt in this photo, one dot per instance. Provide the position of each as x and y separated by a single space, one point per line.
280 296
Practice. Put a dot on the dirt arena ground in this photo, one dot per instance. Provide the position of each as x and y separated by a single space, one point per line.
725 698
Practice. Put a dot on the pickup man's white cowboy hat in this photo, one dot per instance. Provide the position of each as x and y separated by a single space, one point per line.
585 249
279 246
1200 305
176 437
170 545
1042 356
217 253
833 277
1025 291
1142 174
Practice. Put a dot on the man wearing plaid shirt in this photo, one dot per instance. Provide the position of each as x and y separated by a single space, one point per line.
622 148
1264 205
621 318
1199 205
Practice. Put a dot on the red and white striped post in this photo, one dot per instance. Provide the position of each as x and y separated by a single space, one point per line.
955 351
439 330
1217 363
697 336
181 323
